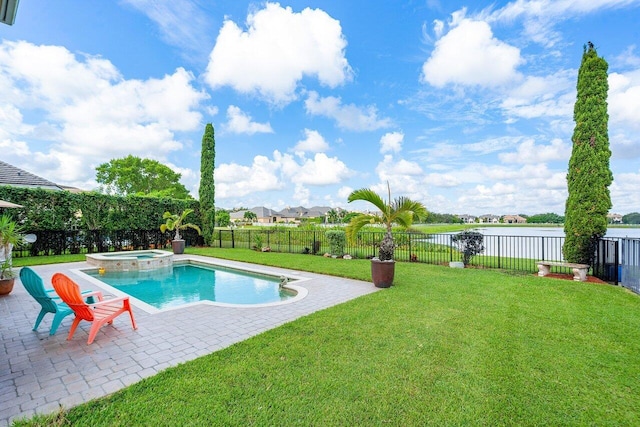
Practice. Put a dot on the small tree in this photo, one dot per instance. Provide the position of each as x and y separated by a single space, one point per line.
469 243
207 190
250 216
337 241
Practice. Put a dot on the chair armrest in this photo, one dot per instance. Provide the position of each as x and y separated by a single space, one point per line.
91 294
109 301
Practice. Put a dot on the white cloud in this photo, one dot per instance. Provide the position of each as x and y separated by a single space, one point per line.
542 96
240 122
348 117
624 99
344 192
470 55
88 111
280 172
540 16
181 23
404 178
234 180
530 153
320 170
313 142
391 142
278 49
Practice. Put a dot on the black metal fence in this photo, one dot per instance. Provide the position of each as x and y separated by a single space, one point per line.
518 253
630 268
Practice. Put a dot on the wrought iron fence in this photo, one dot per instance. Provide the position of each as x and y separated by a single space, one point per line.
630 268
518 253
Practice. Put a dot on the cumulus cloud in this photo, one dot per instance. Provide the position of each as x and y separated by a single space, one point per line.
234 180
276 51
282 171
240 122
348 117
391 142
313 142
529 152
542 96
319 170
469 55
624 98
90 113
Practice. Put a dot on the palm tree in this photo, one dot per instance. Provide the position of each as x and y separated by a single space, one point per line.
175 222
401 211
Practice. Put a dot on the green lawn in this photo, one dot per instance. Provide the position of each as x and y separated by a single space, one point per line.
442 347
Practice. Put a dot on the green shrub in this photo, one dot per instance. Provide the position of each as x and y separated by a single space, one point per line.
337 241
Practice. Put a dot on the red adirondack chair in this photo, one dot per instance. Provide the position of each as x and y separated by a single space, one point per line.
98 313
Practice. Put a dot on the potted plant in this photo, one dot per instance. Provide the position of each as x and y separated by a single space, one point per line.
176 222
401 211
10 235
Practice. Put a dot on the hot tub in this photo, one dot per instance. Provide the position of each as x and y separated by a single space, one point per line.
131 260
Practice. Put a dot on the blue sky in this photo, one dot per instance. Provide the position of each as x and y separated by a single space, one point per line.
465 106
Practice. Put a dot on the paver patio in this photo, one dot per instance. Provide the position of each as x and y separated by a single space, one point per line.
41 372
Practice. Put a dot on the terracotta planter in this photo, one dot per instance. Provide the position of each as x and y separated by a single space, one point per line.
382 273
6 285
178 246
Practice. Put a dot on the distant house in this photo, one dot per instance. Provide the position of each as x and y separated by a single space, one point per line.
467 219
614 218
513 219
298 213
489 219
263 215
16 177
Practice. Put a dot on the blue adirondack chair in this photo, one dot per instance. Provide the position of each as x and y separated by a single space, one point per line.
48 299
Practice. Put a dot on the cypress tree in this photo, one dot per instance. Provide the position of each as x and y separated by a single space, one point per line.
588 176
207 190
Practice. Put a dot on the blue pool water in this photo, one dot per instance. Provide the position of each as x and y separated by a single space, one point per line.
182 284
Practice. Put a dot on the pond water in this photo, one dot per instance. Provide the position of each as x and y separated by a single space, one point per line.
551 231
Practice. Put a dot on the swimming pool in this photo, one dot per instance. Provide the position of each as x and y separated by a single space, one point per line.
189 282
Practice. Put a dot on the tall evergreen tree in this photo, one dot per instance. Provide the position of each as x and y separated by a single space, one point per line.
207 190
589 175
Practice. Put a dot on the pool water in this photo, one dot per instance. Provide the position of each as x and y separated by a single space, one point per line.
182 284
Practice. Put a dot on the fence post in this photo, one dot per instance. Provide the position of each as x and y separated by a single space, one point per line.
233 240
543 259
451 247
289 234
499 240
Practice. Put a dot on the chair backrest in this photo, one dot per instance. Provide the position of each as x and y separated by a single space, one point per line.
35 286
69 292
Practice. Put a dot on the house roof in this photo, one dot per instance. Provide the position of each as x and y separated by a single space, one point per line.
16 177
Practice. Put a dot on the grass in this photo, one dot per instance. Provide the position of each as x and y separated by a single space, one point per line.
441 347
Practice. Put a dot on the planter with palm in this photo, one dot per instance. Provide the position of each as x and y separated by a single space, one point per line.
401 211
10 236
176 222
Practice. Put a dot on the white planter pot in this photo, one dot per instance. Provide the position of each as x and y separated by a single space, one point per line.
456 264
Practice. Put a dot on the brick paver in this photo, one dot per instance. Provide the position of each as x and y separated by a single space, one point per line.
38 372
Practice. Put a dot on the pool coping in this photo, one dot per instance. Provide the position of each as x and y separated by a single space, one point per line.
301 292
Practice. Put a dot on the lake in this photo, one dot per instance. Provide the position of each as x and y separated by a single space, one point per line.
551 231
